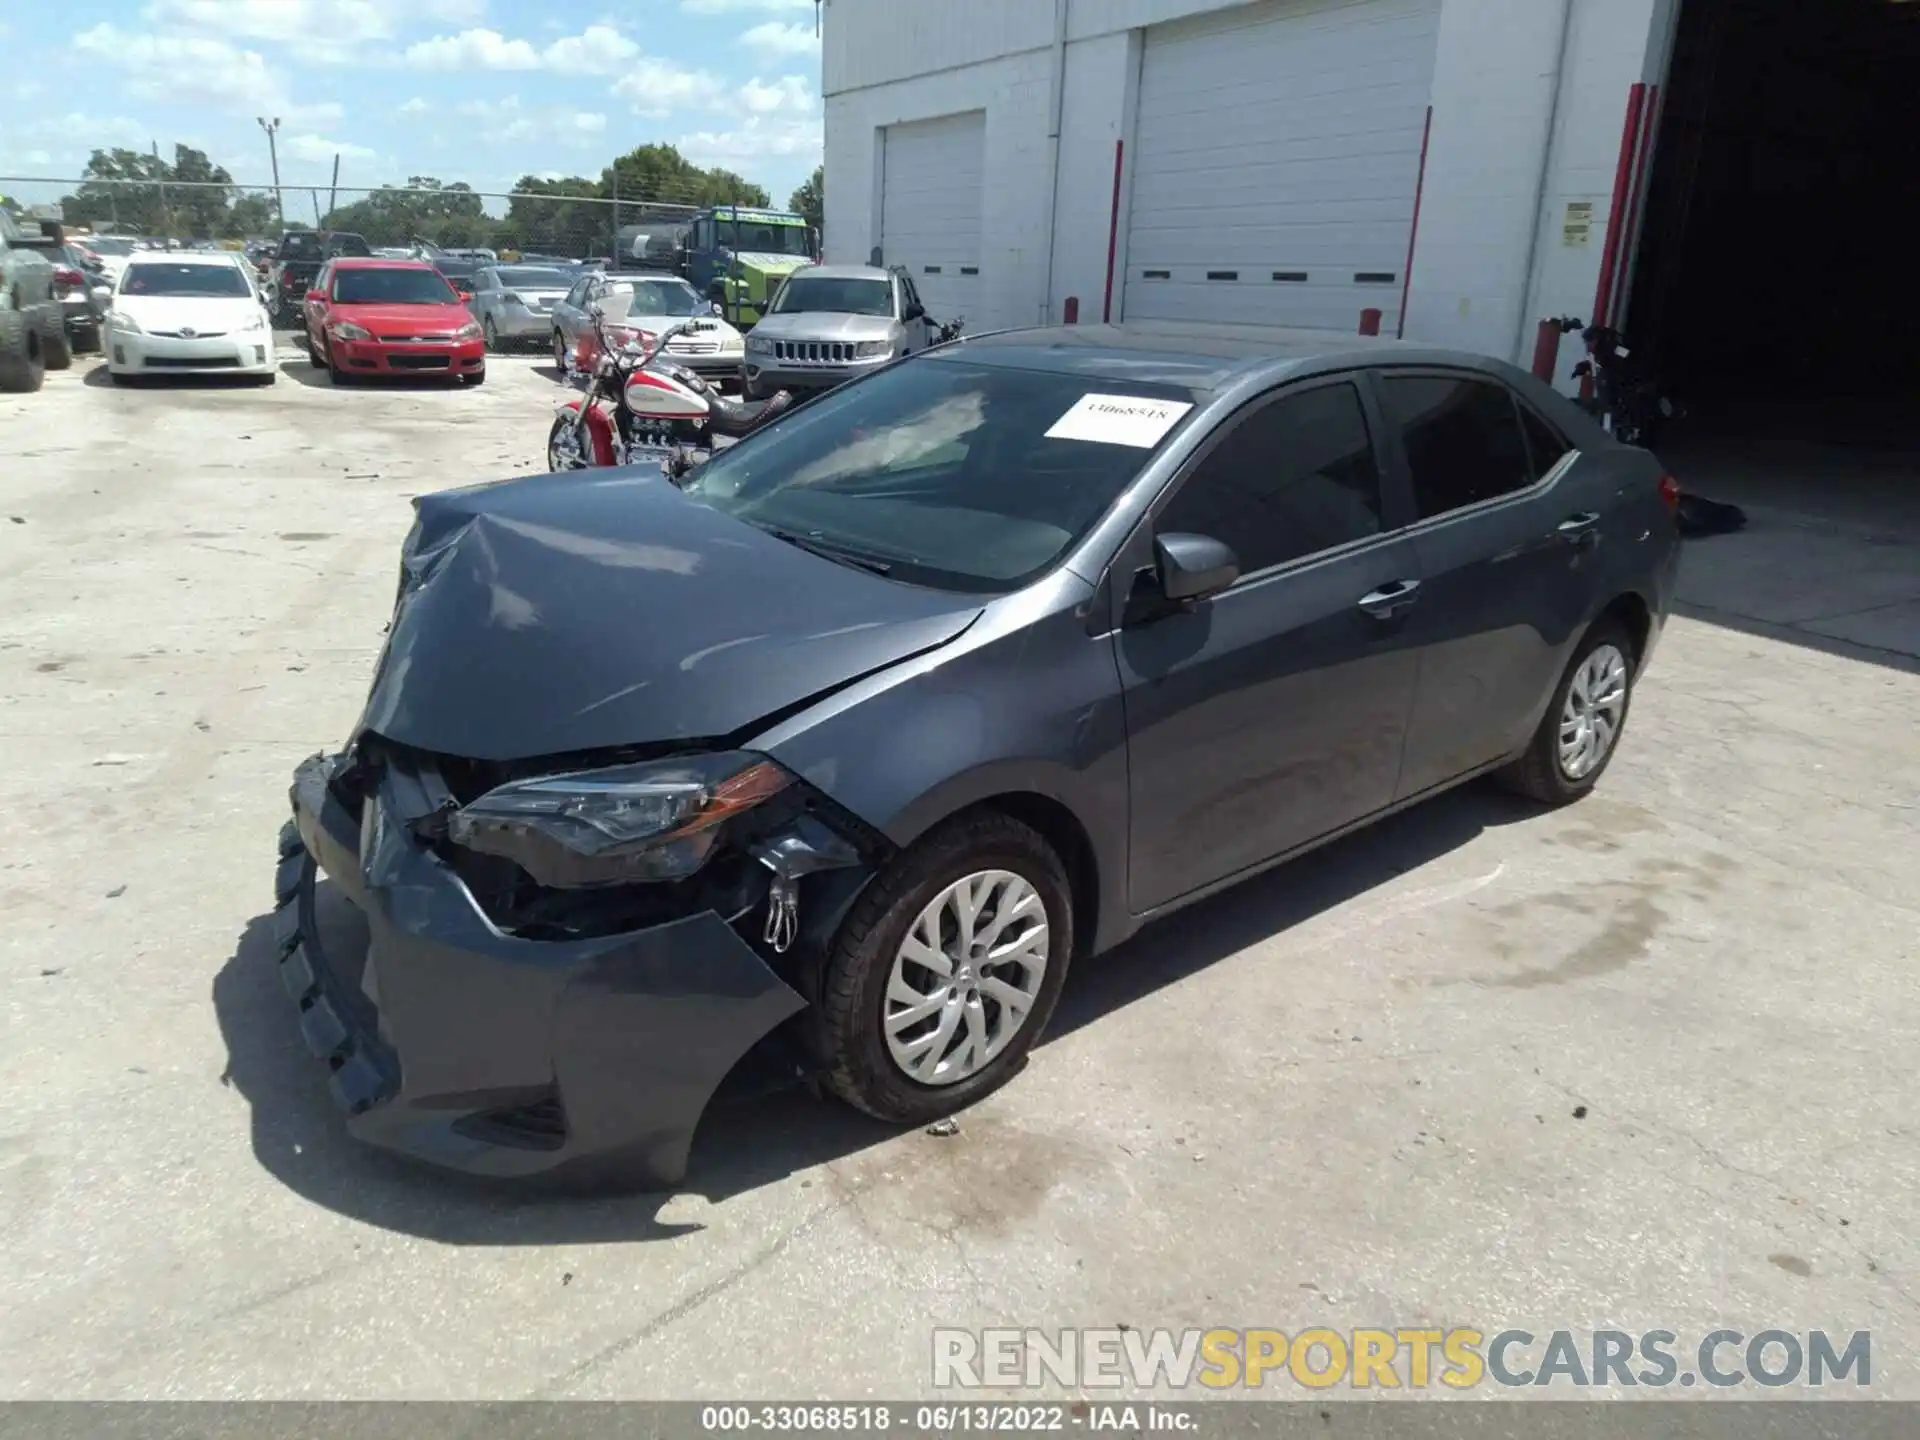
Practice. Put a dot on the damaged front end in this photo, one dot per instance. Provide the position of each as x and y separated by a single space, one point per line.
567 957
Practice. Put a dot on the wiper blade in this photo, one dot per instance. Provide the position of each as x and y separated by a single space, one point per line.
831 552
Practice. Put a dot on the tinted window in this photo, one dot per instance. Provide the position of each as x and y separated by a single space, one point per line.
526 277
1545 443
839 295
221 281
941 470
391 287
345 244
578 295
1294 478
1463 440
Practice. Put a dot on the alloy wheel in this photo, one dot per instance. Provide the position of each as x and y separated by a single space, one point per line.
966 977
563 449
1590 719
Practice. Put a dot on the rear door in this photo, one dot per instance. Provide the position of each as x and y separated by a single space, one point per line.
1508 558
1273 713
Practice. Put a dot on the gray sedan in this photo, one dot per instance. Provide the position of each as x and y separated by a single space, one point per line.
514 303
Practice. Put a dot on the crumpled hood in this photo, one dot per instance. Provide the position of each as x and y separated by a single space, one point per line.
605 608
825 325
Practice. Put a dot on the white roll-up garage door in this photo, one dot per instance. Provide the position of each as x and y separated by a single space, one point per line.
1275 162
930 209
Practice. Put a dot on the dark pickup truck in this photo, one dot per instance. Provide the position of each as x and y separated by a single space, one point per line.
296 264
33 333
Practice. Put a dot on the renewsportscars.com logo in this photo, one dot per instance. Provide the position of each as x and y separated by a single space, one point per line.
1319 1358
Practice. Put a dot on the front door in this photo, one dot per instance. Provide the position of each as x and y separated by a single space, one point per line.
1507 557
1273 713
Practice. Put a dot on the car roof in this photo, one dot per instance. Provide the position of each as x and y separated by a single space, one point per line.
1199 356
377 262
845 272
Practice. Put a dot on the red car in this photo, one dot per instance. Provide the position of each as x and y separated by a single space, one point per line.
390 317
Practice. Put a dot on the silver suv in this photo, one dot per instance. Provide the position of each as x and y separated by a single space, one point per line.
834 323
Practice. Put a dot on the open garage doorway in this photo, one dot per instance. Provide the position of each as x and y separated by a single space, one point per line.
1777 283
1775 292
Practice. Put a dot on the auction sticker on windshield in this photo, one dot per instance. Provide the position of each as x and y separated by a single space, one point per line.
1119 420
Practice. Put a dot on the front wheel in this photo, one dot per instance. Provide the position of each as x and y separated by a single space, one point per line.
945 974
564 450
559 352
491 337
1581 729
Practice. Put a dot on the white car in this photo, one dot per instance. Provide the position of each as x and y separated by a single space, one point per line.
185 314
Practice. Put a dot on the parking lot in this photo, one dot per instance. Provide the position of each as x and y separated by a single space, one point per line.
1639 1064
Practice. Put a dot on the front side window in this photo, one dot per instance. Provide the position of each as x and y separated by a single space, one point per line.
838 295
1546 444
938 472
391 287
653 297
222 282
1295 477
1462 437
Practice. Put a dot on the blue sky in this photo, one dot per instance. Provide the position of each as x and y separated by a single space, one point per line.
476 90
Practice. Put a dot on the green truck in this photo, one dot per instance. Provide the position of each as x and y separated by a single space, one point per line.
738 255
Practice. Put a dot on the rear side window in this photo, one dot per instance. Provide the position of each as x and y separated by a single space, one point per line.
1463 440
1544 443
1294 478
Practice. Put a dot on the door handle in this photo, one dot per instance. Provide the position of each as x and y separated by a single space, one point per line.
1390 599
1580 530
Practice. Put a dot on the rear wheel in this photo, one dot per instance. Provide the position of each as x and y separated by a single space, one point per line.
54 344
559 350
1581 729
945 974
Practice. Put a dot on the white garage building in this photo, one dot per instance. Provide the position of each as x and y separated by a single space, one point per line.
1464 167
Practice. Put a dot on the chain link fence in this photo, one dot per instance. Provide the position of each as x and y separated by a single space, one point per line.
554 221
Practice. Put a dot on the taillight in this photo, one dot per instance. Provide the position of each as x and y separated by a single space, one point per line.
67 275
1670 492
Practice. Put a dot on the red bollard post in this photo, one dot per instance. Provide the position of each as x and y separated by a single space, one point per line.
1070 311
1546 351
1370 322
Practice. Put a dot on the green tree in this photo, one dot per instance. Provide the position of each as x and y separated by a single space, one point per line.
250 215
560 217
395 215
99 202
810 199
660 173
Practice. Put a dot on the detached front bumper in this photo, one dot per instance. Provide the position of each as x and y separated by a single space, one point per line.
484 1052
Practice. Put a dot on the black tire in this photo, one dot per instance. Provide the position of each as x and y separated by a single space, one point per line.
54 344
559 351
316 355
22 364
86 340
477 377
853 981
335 373
490 337
1538 773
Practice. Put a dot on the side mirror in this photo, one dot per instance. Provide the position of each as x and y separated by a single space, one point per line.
316 296
714 307
914 312
717 292
1192 567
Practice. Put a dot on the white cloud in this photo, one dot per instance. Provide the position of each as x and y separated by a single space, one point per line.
757 137
37 157
790 94
660 87
331 23
455 12
587 122
773 38
320 149
198 70
415 106
473 50
597 50
732 7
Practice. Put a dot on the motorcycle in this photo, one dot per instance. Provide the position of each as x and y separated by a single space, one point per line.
639 407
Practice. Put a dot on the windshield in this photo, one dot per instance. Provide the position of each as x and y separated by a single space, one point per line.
300 245
653 297
759 237
348 245
212 281
941 470
529 277
391 287
109 245
840 296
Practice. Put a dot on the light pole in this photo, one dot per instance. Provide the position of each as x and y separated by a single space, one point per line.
273 153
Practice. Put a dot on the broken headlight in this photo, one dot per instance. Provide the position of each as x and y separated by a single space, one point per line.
634 823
